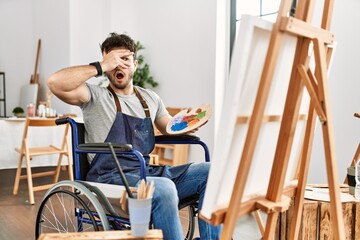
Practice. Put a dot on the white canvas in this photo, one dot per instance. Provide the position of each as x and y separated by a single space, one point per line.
247 63
28 94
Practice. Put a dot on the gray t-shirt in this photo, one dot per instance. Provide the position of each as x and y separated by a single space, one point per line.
99 111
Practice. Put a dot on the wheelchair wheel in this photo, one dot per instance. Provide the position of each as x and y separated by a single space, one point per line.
188 219
70 207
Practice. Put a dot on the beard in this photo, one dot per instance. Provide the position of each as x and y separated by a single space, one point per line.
125 80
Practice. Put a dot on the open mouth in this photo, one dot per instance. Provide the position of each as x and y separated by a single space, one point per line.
119 75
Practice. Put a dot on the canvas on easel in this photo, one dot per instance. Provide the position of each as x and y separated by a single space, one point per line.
249 55
262 149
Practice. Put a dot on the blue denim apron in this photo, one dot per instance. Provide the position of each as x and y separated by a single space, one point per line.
139 133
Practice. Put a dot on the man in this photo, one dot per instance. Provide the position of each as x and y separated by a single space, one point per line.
123 113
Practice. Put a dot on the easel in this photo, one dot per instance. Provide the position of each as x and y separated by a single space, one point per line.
35 77
277 196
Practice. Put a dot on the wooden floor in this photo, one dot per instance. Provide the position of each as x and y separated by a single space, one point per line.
17 216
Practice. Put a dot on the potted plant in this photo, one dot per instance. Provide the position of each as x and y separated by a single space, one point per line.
142 75
18 111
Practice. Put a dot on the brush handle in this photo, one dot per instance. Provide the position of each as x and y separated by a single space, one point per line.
122 175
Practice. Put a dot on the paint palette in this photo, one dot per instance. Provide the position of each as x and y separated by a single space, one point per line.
185 121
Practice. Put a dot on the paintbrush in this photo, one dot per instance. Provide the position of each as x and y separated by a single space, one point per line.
150 190
145 190
122 175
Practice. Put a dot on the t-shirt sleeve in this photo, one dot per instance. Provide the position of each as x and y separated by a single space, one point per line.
93 95
161 111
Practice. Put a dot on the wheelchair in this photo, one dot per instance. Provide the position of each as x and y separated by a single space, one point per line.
81 206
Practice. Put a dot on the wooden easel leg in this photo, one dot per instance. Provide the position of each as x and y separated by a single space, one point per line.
334 189
329 145
270 230
303 173
259 221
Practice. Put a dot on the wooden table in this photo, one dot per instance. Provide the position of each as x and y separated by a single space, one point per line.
316 220
154 234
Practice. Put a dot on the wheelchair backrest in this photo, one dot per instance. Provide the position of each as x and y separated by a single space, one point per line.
83 163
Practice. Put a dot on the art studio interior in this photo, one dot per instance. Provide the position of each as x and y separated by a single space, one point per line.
245 114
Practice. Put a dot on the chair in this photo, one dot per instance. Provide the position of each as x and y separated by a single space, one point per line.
28 151
96 204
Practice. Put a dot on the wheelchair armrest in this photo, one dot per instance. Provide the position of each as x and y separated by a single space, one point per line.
176 138
104 146
183 139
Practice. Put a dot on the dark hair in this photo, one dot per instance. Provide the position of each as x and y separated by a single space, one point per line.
117 41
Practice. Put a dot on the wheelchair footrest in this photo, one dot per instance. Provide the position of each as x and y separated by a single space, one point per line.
183 137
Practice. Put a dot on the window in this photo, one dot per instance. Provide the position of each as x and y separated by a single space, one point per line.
266 9
262 8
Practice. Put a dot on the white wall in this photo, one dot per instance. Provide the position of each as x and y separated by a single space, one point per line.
22 23
17 47
51 24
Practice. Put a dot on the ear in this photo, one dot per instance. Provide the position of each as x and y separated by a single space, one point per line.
136 63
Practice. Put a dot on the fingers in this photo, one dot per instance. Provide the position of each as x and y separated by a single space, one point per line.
191 132
196 129
124 57
117 58
123 64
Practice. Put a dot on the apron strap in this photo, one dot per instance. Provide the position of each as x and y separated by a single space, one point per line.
143 102
116 99
138 95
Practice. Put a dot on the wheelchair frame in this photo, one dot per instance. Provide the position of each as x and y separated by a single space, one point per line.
90 209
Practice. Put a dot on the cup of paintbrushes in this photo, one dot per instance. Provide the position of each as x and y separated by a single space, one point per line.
140 209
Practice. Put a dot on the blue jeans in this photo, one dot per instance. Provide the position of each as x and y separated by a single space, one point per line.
165 214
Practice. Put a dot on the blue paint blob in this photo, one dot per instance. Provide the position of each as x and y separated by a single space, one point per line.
179 126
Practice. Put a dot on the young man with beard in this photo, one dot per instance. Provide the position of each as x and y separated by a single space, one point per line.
124 113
